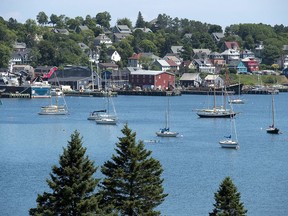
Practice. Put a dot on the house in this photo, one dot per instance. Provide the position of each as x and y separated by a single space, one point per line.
201 53
246 54
18 47
137 60
186 66
148 79
81 28
108 66
230 55
119 36
123 29
173 66
163 64
239 66
60 31
258 50
217 36
102 39
231 45
204 66
217 59
214 80
251 64
114 55
145 30
174 58
176 49
190 80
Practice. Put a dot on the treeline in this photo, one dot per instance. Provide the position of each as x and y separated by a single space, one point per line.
48 48
132 184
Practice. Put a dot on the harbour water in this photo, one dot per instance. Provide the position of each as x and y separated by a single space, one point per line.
194 163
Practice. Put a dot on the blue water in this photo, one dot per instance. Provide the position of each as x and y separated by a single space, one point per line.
194 164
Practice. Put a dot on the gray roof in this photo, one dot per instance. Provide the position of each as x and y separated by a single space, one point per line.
176 49
189 76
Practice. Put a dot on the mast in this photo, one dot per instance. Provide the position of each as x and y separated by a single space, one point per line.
272 109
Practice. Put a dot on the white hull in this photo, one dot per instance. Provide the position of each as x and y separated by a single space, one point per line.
236 101
53 110
167 134
229 144
106 121
98 116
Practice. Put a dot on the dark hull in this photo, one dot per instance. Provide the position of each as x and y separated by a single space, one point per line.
15 89
272 130
229 115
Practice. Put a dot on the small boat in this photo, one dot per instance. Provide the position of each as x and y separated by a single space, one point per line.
53 110
106 121
98 114
106 118
228 142
272 129
165 132
237 100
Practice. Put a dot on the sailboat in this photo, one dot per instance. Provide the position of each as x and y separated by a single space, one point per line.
237 100
106 117
272 129
217 112
165 132
54 109
230 141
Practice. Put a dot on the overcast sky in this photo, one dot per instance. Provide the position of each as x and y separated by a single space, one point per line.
220 12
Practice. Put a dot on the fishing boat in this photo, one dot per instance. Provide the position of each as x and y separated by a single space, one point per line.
272 129
165 132
230 141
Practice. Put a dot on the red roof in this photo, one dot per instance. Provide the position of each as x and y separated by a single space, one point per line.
135 56
231 44
171 63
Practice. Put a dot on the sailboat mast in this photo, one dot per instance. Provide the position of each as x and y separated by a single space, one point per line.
272 109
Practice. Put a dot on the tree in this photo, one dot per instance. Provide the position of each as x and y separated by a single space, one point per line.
132 180
103 19
228 200
103 57
42 18
72 184
140 23
125 21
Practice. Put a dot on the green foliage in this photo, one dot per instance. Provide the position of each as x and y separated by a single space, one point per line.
132 180
125 21
103 19
72 184
140 23
5 53
42 18
227 200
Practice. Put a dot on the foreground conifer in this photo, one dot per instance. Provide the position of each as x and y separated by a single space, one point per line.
132 182
72 184
228 200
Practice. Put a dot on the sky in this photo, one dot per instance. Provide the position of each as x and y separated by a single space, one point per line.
219 12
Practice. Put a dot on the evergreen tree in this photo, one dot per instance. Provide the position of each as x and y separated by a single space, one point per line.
103 57
72 184
228 200
133 181
140 23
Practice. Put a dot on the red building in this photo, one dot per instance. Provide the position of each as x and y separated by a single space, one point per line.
147 79
251 64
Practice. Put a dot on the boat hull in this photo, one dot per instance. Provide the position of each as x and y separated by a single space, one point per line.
167 134
53 110
272 130
216 114
106 121
229 144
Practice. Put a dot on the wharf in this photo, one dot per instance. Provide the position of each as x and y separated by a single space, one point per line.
149 93
90 94
15 95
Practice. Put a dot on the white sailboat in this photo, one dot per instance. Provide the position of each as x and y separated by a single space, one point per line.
230 141
107 117
55 108
272 129
237 100
165 132
216 112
